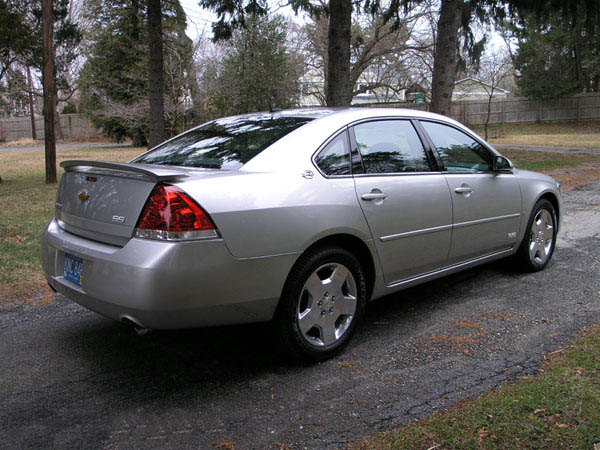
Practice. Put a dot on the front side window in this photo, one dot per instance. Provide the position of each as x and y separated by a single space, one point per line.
225 144
334 159
390 146
459 152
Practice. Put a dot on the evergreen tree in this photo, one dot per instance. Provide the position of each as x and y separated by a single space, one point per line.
114 79
557 55
256 73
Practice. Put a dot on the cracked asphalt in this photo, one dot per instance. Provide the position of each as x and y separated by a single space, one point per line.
72 379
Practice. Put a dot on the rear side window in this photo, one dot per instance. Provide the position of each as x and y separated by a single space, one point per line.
334 159
225 144
390 146
458 151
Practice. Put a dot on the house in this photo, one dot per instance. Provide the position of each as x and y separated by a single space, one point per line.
472 89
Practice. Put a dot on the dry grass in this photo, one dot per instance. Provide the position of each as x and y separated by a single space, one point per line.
582 141
26 205
24 142
571 170
583 135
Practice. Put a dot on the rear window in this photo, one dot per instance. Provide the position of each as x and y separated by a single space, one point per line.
225 144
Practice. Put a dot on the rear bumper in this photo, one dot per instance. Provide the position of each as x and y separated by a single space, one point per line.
165 285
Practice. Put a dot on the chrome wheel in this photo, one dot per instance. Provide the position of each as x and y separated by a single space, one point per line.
541 237
327 304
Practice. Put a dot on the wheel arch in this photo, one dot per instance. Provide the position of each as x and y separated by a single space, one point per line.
551 197
350 243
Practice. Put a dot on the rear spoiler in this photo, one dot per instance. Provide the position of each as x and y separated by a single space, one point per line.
157 174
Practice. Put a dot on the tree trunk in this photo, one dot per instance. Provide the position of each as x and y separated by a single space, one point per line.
445 63
31 108
58 131
338 89
489 112
49 90
139 139
155 76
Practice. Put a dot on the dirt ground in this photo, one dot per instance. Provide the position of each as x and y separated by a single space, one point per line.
573 177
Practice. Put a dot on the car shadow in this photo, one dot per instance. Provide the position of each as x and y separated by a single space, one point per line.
171 360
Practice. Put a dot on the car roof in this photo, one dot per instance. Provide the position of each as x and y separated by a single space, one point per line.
359 112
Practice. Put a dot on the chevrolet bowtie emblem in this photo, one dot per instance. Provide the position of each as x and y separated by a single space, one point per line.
83 196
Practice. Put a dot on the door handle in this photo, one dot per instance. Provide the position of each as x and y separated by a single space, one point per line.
463 190
373 196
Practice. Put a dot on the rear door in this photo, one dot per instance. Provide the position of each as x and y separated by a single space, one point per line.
406 203
486 205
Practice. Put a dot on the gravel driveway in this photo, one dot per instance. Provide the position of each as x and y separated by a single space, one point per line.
72 379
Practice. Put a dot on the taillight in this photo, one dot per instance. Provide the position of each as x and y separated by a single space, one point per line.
170 214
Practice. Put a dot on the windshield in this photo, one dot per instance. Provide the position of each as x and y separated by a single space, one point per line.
225 144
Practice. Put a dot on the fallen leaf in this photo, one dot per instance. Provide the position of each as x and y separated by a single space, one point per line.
483 433
562 425
540 410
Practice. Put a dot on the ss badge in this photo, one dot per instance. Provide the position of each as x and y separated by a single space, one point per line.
118 219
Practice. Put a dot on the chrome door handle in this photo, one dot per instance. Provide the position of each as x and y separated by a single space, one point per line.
463 190
373 196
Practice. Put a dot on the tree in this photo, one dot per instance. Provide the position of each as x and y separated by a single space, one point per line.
494 69
445 61
155 76
378 53
255 72
233 14
556 56
49 90
338 86
114 79
17 38
454 15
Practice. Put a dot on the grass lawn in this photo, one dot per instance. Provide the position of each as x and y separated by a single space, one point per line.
560 408
545 162
26 205
583 135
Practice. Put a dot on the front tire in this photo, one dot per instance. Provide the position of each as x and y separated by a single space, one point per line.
539 241
323 301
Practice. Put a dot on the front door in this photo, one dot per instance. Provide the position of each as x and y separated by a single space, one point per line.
486 205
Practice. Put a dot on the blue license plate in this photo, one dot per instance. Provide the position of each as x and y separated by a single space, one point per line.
73 269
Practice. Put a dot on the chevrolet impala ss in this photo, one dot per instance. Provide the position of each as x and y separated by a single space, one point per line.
296 217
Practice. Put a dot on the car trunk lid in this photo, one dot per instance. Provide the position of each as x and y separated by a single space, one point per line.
103 200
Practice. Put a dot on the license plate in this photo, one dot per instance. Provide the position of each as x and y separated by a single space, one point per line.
73 269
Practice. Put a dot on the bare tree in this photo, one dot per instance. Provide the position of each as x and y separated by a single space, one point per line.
379 53
31 103
494 69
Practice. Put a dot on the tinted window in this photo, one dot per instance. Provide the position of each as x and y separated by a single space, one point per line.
459 152
390 146
334 158
225 144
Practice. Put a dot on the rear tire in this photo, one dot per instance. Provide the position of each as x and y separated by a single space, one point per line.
322 303
539 240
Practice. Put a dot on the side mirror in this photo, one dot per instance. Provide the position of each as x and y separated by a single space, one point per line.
502 164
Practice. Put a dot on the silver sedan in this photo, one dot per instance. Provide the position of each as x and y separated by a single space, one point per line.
295 217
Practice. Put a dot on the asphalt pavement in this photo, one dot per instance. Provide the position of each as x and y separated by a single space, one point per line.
72 379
